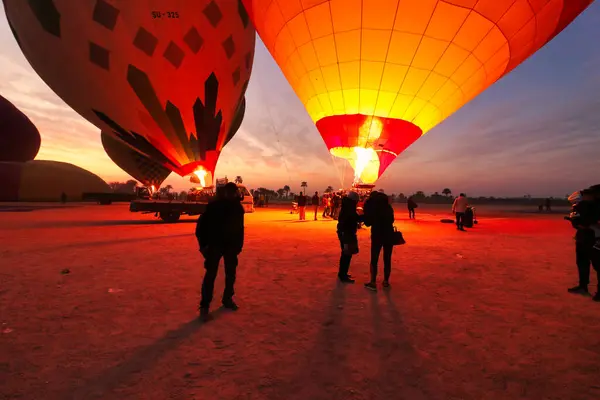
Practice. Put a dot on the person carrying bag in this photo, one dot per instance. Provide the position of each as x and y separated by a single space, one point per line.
379 215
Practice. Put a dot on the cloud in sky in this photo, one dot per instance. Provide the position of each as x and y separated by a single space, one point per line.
536 131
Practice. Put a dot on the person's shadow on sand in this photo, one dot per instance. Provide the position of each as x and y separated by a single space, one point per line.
101 385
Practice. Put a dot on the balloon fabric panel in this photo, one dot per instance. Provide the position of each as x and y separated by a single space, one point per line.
143 169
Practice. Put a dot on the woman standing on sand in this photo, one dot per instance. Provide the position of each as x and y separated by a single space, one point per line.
346 230
379 215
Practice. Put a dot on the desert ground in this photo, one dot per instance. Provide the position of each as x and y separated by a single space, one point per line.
100 303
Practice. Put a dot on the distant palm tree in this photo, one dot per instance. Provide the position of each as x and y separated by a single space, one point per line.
281 192
168 188
446 192
304 185
239 180
329 189
287 190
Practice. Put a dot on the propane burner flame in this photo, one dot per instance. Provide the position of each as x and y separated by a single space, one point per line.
201 174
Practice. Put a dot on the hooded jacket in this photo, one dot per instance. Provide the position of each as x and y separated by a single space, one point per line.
379 215
348 218
222 225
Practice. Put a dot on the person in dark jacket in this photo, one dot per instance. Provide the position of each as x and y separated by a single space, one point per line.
411 204
220 234
379 215
587 241
335 207
302 200
315 203
346 230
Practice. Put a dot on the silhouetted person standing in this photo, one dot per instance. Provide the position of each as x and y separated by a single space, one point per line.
302 200
459 208
63 197
220 234
411 204
379 215
548 205
325 205
346 231
335 205
315 203
587 241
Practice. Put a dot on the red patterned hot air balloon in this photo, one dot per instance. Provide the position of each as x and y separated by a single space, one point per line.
148 172
166 77
375 75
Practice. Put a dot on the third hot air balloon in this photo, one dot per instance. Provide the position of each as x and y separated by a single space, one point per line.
375 75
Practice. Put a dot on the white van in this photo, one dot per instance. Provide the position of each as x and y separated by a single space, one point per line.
248 202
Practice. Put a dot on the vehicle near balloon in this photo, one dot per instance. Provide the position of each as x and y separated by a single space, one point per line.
165 77
107 198
376 75
195 203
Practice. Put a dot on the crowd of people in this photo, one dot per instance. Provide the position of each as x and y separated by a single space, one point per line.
220 234
329 202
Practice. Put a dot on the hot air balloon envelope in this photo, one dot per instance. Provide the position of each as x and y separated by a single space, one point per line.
140 167
19 138
375 75
166 77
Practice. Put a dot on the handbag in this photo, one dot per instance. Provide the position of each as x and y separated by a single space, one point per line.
350 246
397 238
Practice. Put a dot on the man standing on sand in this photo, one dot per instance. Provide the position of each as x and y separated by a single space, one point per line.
220 234
315 203
458 208
302 206
587 241
411 204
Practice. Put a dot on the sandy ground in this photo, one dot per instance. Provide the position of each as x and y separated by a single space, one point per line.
476 315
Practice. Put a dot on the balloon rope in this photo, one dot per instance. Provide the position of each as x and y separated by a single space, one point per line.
274 129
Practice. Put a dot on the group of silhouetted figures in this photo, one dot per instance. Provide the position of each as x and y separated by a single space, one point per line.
377 214
220 234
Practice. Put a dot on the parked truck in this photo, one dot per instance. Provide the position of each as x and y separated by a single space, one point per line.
108 198
195 203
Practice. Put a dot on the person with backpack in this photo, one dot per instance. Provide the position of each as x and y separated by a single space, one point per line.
379 215
220 234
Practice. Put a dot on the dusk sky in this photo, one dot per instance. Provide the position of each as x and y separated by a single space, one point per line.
536 131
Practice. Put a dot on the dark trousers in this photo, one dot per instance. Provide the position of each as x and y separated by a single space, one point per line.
211 265
344 258
459 220
411 213
376 246
586 254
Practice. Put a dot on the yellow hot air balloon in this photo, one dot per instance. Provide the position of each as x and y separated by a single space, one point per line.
375 75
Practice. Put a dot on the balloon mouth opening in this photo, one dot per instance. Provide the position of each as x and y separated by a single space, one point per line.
199 177
363 160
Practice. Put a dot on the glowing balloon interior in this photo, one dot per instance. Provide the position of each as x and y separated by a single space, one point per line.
166 77
375 75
